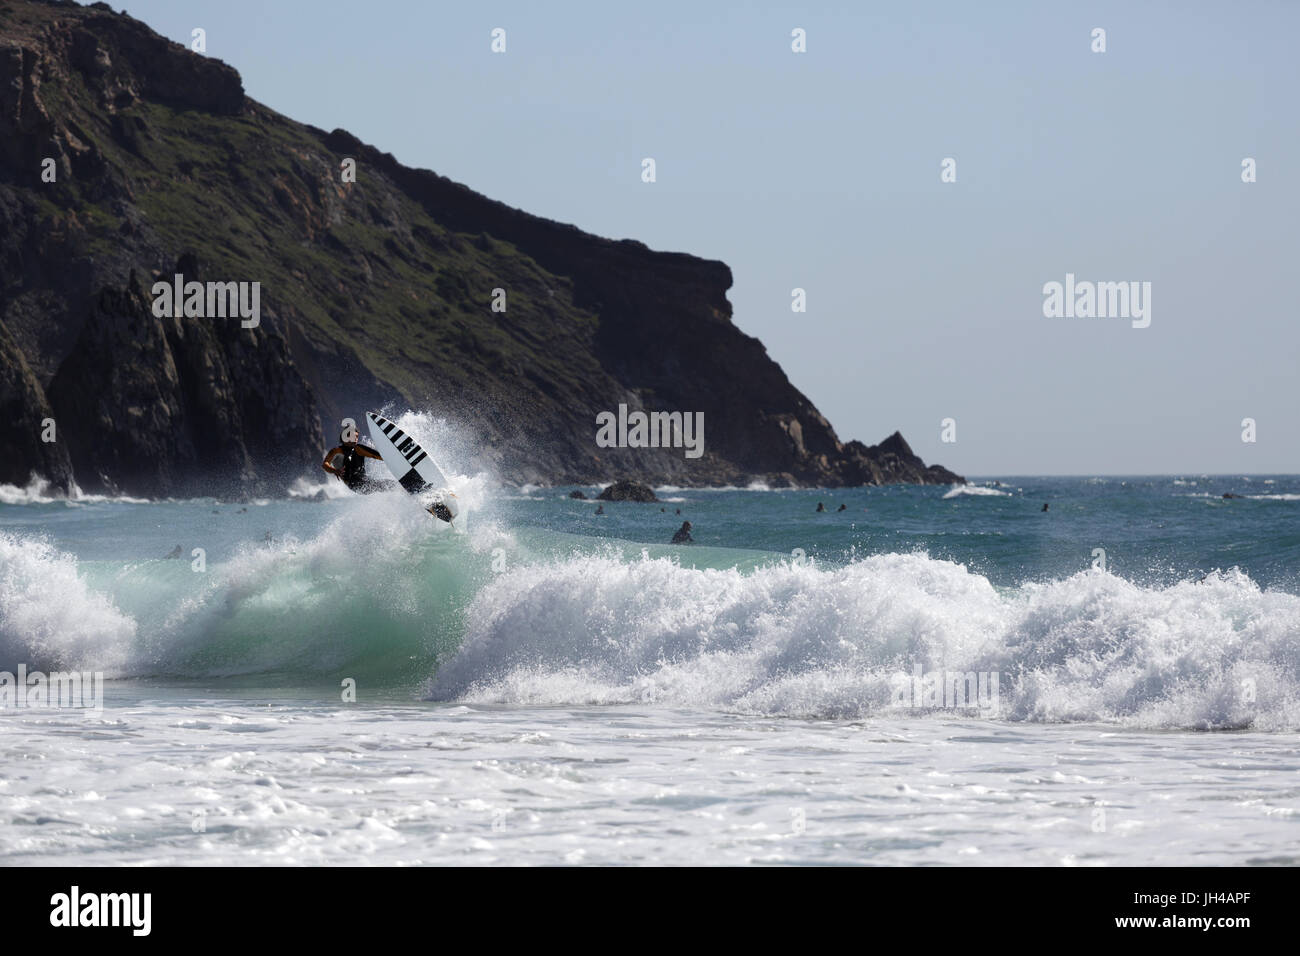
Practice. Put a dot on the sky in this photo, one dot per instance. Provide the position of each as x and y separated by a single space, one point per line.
821 171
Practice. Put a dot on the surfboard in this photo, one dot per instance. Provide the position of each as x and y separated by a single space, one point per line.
413 467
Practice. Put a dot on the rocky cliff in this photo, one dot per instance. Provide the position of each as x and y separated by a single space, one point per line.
126 158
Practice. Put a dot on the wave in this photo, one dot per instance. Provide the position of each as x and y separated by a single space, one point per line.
50 618
383 603
39 492
534 617
308 489
958 490
1270 497
755 485
804 641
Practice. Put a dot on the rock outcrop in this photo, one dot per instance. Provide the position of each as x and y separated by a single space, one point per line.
627 490
28 422
125 158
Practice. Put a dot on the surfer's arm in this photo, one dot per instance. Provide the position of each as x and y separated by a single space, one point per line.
329 456
369 452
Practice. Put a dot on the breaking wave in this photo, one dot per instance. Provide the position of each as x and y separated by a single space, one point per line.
566 620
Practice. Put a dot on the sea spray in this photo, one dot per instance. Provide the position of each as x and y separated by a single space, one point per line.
809 642
50 617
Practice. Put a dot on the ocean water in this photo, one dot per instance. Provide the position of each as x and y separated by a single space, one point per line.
548 685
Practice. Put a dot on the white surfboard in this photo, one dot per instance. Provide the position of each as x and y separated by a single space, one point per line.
413 467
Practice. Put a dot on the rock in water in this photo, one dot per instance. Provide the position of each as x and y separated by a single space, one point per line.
625 490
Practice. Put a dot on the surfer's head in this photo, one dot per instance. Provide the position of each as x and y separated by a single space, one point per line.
349 433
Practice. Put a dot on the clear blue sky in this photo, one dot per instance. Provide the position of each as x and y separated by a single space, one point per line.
821 171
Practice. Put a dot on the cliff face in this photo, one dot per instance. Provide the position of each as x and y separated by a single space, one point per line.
373 292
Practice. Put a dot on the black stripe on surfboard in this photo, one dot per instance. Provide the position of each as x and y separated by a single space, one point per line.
412 482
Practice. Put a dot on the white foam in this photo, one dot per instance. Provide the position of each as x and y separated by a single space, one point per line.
958 490
678 489
50 619
307 488
39 492
799 640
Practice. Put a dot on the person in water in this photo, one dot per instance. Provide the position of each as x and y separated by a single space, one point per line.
820 507
683 535
353 472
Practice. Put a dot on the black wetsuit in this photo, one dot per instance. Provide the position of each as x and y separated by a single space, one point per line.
683 537
354 467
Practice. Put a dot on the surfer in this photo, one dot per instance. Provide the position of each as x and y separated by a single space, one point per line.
353 472
683 535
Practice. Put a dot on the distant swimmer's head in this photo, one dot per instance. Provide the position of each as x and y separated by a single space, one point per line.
686 526
349 434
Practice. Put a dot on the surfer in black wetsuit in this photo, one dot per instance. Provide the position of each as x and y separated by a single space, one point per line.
353 472
683 535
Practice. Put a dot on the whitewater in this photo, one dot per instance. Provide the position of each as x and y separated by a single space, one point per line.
329 678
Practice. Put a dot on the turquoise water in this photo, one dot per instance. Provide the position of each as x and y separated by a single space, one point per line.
1136 599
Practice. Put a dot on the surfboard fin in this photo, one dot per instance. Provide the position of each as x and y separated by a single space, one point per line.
444 505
